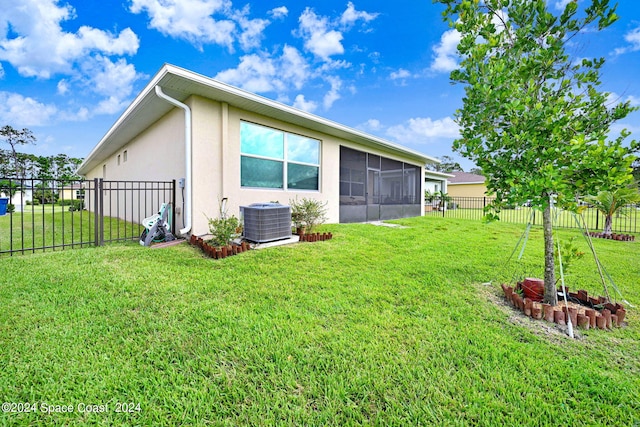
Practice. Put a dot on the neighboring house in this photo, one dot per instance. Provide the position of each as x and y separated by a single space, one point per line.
463 184
71 192
20 198
435 182
227 142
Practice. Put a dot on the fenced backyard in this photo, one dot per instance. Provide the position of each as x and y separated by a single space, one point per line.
54 215
626 220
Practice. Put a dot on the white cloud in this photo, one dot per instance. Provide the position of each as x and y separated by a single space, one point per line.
281 72
38 46
322 36
63 87
252 29
561 4
400 77
400 74
301 103
279 12
319 38
263 73
350 16
633 40
615 99
255 73
634 100
294 67
445 58
618 127
41 48
112 80
81 115
372 125
21 111
334 93
423 130
191 20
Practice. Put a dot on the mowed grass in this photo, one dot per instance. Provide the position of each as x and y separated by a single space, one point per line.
378 326
40 228
626 220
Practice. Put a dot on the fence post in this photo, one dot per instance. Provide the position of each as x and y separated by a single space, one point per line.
96 206
101 213
597 218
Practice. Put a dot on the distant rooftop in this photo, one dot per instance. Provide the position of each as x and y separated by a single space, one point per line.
466 178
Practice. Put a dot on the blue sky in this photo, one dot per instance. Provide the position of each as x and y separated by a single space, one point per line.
69 68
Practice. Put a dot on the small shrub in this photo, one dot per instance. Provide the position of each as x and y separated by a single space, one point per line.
224 229
11 208
77 205
308 213
74 204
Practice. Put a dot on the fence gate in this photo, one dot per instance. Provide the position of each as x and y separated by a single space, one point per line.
53 214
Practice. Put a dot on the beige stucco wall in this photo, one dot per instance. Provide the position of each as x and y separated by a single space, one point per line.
67 194
466 190
328 191
158 154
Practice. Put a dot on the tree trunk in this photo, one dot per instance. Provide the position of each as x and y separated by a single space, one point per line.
550 292
608 220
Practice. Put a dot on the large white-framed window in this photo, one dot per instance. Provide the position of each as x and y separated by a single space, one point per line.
272 158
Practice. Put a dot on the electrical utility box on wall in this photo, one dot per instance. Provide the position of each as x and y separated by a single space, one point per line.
266 222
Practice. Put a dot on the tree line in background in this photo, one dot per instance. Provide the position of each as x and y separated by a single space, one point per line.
449 165
45 171
15 164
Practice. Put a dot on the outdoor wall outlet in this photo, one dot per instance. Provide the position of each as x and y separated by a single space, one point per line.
181 183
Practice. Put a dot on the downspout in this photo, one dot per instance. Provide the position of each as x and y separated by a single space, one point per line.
187 153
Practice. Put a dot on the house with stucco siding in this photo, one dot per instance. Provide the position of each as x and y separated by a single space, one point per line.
224 142
464 184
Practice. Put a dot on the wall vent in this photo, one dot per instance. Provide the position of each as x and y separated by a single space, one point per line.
266 222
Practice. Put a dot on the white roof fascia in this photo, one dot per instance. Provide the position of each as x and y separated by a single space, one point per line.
196 84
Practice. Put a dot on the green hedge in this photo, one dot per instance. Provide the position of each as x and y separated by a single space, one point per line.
74 205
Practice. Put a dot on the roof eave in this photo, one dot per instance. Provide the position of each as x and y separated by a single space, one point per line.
169 75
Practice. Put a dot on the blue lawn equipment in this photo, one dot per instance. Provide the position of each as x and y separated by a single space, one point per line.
157 227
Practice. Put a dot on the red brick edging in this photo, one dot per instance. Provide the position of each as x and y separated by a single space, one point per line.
584 317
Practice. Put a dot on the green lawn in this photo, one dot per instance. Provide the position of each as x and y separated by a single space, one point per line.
626 220
378 326
54 226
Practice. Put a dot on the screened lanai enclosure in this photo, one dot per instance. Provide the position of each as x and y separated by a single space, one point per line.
376 188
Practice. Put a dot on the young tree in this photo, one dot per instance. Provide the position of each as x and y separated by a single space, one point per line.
533 119
610 202
14 138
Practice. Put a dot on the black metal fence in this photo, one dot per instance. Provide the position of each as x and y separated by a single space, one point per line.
626 220
45 215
